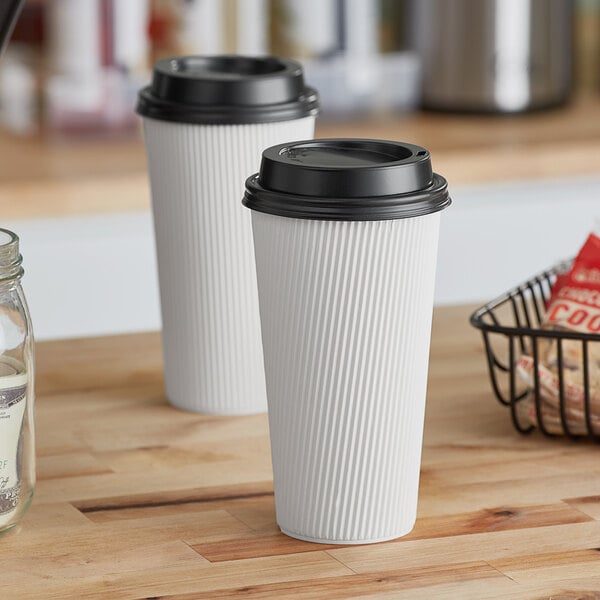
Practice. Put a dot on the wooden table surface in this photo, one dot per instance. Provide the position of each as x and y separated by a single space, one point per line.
139 500
46 177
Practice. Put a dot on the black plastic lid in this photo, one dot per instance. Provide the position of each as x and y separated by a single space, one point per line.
346 180
227 90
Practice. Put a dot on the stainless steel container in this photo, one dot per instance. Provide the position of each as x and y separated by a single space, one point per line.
494 55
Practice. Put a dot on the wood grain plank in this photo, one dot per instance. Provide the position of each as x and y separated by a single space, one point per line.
192 449
455 454
69 464
39 569
477 546
510 468
554 566
466 496
94 364
502 518
91 488
338 588
197 578
249 509
255 546
497 589
245 467
99 540
127 506
590 505
42 517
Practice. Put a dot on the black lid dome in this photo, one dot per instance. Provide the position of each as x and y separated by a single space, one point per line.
227 90
346 180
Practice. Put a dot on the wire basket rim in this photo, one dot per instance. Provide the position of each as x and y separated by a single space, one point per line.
476 318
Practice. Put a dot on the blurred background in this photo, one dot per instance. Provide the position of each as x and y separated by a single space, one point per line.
74 66
505 94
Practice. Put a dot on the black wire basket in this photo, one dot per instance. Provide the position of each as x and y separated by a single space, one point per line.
511 328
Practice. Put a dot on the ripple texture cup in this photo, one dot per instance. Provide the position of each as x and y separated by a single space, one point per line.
206 122
346 289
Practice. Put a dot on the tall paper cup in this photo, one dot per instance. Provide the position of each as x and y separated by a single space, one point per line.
346 235
206 122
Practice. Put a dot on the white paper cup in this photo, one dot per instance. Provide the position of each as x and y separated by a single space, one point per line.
198 164
346 310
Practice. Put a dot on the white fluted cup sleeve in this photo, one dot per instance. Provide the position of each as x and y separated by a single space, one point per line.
346 319
211 330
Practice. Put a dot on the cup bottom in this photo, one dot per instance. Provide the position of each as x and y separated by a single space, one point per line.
236 411
387 538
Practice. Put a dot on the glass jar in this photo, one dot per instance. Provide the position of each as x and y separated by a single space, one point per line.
17 447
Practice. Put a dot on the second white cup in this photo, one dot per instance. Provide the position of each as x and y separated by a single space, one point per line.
206 122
